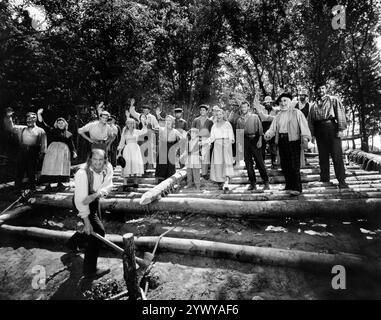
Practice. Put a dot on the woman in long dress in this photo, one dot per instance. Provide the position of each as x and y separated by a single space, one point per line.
128 146
221 167
56 165
166 156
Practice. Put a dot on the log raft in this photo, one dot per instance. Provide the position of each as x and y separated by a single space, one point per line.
171 196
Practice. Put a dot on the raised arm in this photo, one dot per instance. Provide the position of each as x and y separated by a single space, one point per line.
132 110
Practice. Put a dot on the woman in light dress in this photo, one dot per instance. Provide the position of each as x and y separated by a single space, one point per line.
129 148
221 168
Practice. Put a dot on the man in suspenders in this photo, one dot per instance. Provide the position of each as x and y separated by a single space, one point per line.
92 181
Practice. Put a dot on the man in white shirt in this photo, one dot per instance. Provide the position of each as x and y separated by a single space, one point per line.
92 181
100 133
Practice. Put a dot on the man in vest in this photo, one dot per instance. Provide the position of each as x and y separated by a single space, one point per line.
92 181
303 105
32 148
182 126
327 121
267 113
253 136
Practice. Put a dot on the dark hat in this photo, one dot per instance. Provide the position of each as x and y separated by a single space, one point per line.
31 114
178 110
205 106
284 94
121 161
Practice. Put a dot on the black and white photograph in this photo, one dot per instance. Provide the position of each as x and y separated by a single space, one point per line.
203 152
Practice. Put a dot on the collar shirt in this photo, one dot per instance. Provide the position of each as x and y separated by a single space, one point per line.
35 136
102 182
328 107
251 124
296 122
97 130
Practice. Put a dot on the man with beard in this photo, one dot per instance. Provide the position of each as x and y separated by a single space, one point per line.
302 104
267 114
327 121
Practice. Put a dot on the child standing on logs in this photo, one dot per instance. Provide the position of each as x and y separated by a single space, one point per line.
56 165
192 156
130 149
290 129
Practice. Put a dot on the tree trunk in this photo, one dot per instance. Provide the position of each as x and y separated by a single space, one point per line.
129 267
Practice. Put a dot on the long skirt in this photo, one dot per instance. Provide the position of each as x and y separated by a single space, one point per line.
134 160
56 165
222 161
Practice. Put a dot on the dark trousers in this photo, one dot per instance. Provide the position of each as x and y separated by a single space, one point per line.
271 143
26 162
251 151
289 152
93 244
329 145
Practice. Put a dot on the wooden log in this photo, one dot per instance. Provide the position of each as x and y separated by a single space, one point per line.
280 196
129 267
243 253
164 186
236 209
15 213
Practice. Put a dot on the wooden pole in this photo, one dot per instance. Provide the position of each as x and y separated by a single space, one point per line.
129 267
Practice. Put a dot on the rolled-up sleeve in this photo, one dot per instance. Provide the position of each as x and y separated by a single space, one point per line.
85 128
80 193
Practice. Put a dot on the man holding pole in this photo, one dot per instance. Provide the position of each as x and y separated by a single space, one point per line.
92 181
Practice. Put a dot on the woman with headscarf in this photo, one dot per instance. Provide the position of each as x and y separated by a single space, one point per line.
221 167
56 165
128 145
291 130
166 157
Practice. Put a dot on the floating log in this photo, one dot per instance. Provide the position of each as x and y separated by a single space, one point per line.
243 253
162 187
234 209
129 267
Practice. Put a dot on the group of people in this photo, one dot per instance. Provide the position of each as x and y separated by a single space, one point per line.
159 141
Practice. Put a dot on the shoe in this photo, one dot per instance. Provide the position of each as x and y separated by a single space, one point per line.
96 274
60 187
48 188
343 185
267 186
326 184
252 187
135 185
